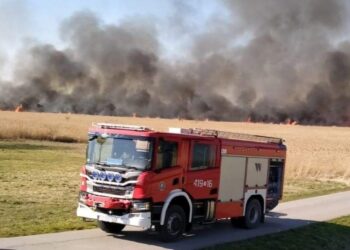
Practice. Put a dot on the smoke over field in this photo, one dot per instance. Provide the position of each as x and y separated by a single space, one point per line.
264 61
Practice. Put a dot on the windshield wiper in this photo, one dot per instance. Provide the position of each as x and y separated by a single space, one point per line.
102 164
120 166
132 167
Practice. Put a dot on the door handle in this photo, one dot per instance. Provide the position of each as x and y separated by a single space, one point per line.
175 181
213 191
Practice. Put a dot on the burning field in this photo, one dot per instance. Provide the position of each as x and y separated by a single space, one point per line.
275 61
314 152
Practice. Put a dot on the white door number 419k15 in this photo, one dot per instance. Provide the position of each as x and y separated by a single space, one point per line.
203 183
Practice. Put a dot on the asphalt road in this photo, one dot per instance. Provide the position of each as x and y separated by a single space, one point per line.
286 216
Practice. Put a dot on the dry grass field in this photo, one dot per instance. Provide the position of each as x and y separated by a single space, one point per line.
313 151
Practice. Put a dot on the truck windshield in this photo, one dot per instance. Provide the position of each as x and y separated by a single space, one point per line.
125 151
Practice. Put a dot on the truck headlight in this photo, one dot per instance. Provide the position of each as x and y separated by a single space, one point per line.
141 206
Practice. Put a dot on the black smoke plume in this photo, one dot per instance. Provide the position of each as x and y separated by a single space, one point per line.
292 62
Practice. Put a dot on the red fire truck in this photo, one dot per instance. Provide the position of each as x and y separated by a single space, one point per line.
170 180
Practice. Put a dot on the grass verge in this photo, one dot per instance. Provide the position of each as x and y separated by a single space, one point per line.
295 189
334 234
39 184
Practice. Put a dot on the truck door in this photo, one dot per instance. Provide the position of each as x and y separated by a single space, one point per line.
168 169
202 176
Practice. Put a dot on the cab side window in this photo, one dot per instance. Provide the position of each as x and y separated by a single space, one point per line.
203 156
167 154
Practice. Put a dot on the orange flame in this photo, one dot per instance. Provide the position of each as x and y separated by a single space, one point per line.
19 108
290 121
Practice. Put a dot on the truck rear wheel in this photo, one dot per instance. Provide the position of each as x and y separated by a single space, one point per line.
110 227
174 224
253 214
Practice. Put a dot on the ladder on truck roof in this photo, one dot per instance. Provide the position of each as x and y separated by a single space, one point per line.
121 126
227 135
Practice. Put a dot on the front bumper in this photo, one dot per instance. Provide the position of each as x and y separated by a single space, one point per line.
133 219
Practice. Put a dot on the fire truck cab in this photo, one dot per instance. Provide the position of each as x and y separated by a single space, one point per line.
170 180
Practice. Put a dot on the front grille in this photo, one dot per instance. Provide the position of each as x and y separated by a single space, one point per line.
108 190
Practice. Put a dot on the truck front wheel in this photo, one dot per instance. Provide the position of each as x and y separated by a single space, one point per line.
110 227
253 214
174 224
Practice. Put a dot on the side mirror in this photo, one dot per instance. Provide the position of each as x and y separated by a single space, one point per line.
102 138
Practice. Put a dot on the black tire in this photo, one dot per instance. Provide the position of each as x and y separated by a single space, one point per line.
174 224
110 227
253 214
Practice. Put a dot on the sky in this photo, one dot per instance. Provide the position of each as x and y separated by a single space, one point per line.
25 21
